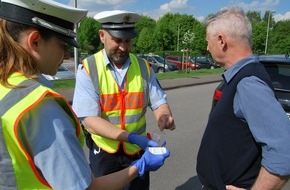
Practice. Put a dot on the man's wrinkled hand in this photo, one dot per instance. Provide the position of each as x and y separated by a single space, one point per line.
166 121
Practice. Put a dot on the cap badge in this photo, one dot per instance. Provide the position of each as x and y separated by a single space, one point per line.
126 19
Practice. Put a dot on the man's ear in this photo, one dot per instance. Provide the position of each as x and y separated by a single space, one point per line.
222 41
102 35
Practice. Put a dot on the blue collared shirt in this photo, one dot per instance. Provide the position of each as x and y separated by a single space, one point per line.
54 147
86 100
255 103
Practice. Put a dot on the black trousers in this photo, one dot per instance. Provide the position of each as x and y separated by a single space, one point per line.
103 163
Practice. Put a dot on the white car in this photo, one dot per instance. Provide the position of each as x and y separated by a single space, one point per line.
62 73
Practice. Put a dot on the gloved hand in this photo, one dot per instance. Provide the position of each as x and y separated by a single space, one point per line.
142 141
150 162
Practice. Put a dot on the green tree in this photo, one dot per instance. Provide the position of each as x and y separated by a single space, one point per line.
146 42
189 23
165 33
258 31
199 44
259 37
162 35
144 38
279 39
145 22
88 37
188 38
254 17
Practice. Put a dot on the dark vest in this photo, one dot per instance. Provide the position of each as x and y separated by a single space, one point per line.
228 152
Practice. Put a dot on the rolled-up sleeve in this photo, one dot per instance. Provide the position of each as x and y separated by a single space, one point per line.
256 103
156 93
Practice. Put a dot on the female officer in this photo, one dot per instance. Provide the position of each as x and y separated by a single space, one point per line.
40 137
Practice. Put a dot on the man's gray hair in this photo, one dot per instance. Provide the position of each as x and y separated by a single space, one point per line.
232 21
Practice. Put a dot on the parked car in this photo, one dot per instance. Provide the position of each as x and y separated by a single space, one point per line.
157 63
278 67
178 61
62 73
204 61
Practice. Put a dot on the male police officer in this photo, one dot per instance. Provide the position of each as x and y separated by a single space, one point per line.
113 90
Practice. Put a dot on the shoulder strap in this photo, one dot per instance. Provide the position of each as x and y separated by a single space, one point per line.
94 72
17 94
8 101
145 72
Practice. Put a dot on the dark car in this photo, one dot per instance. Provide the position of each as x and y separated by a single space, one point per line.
178 61
158 65
62 73
204 61
278 67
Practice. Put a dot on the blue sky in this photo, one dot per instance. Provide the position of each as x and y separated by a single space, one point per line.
198 8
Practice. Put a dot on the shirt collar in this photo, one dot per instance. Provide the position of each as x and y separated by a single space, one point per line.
44 81
107 61
233 70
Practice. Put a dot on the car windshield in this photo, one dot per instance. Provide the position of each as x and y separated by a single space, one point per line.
280 74
159 59
278 69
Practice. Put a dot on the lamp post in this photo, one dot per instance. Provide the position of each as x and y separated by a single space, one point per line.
178 38
76 55
267 36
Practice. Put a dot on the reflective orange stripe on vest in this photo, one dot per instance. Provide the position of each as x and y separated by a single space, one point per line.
112 102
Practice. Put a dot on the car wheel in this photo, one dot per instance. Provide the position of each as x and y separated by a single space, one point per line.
160 70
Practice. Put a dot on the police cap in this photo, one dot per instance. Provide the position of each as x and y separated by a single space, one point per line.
119 24
51 15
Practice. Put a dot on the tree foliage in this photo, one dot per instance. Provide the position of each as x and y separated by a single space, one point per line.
88 36
167 33
280 38
145 41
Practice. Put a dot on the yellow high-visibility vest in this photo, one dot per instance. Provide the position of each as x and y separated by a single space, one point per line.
124 108
18 170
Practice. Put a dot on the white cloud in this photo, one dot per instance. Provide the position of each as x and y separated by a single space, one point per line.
173 5
262 7
95 6
256 5
101 5
200 18
107 2
279 17
101 2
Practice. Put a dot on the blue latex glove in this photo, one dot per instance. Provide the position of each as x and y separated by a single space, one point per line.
150 162
142 141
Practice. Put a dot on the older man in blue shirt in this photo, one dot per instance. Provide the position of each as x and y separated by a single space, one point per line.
246 141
